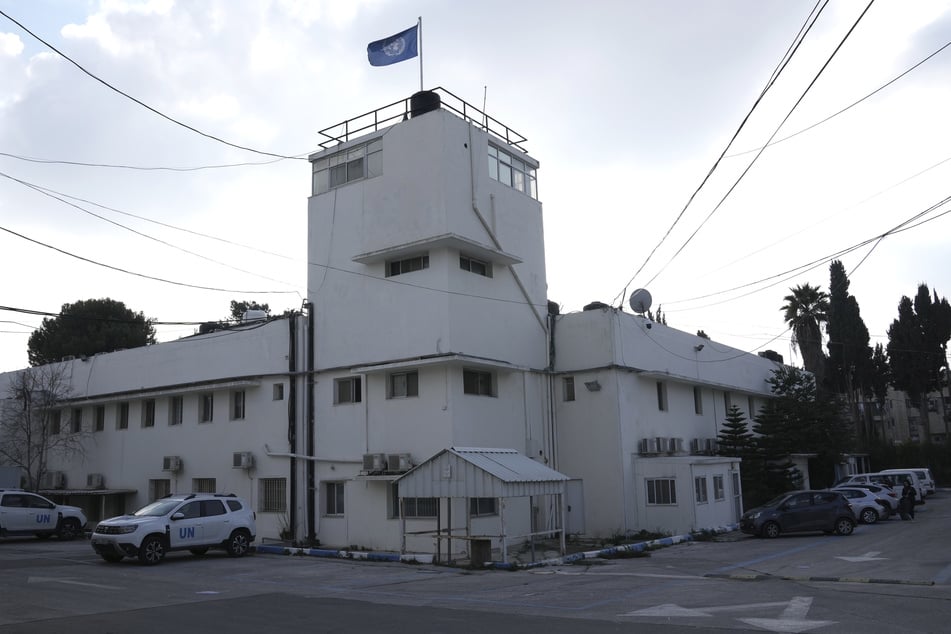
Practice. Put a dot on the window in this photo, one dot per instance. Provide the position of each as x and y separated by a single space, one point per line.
718 492
203 485
751 404
479 507
206 408
333 495
347 390
159 489
273 495
413 507
408 265
478 383
403 384
277 394
175 409
475 266
76 420
56 417
347 166
662 396
568 388
237 405
727 401
122 416
148 413
512 171
661 491
100 417
698 400
700 489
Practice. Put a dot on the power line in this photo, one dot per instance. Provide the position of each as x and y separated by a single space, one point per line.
784 61
849 107
140 233
139 102
32 159
763 149
143 275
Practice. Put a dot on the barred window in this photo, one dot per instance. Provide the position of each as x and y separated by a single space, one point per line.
479 507
412 507
148 413
206 408
159 489
237 405
700 488
661 491
203 485
718 491
272 495
175 405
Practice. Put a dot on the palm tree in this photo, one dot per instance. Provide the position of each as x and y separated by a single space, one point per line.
805 310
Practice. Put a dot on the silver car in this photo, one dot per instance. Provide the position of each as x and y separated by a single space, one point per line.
867 506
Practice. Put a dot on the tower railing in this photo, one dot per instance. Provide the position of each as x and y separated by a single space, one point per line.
400 111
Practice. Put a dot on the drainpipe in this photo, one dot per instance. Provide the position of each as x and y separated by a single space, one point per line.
292 420
311 480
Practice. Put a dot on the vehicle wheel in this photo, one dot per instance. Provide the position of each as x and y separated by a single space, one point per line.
771 530
112 558
868 516
70 528
844 526
239 543
198 552
152 550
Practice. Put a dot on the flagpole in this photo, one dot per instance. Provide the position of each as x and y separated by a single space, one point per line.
420 44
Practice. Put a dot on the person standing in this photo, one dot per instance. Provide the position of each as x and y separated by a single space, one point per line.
908 495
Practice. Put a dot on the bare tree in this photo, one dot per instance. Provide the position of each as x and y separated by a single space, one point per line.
32 426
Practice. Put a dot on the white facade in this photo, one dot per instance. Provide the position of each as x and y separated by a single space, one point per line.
428 329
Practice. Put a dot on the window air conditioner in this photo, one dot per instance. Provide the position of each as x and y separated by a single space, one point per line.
172 463
374 462
53 480
697 445
648 446
242 460
398 462
663 444
676 445
94 481
711 445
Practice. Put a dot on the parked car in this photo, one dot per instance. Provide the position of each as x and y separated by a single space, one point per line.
25 513
798 511
869 478
922 473
867 507
193 521
883 491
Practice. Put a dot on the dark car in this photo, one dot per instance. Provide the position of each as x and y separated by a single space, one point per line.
800 511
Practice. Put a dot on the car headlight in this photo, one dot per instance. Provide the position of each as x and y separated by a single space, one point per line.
756 515
123 530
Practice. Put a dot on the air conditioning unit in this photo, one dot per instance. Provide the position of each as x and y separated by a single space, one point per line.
398 462
172 463
663 444
697 446
648 446
242 460
676 445
53 480
710 445
374 462
94 481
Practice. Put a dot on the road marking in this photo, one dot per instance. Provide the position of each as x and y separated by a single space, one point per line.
614 574
69 582
792 619
869 556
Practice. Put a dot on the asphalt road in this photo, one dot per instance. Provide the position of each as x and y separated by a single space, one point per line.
889 577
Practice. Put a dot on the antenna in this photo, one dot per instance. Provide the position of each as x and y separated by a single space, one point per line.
640 301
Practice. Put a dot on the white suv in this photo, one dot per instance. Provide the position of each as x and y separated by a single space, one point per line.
25 513
187 521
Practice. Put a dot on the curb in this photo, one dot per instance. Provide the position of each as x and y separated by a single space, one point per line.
762 577
357 555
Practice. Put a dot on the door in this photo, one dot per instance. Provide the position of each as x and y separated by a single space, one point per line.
186 526
215 522
798 513
42 515
13 512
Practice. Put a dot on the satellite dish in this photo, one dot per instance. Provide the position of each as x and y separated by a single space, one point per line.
640 301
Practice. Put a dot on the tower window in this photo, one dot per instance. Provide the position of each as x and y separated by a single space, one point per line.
512 171
347 166
475 266
407 265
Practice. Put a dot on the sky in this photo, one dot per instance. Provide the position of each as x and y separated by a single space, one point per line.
628 106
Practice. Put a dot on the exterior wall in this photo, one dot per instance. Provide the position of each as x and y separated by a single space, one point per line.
251 360
599 434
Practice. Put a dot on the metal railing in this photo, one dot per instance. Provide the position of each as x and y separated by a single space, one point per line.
400 111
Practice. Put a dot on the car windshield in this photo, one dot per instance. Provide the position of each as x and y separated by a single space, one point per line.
157 509
776 501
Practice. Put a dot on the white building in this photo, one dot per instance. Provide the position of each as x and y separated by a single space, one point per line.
428 327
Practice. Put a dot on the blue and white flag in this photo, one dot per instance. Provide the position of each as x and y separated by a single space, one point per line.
396 48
